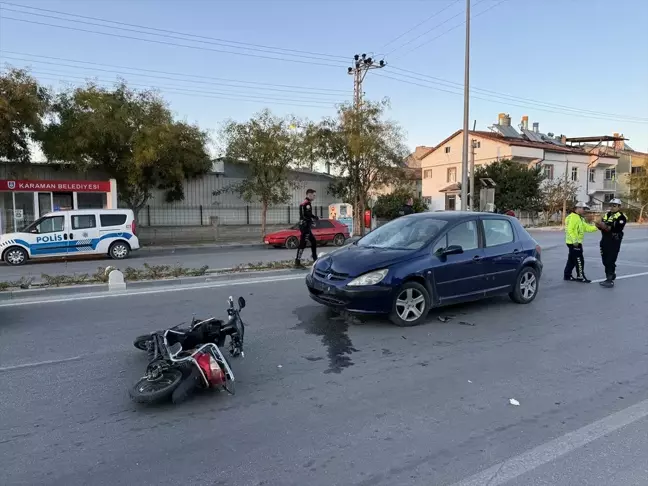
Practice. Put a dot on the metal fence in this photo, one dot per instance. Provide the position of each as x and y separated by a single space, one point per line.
221 215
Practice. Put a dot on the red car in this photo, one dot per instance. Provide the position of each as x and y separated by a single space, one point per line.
324 230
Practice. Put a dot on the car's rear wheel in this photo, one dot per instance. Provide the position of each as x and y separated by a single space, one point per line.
339 239
526 286
411 305
119 250
292 243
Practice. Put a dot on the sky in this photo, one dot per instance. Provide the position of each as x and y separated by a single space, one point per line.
578 67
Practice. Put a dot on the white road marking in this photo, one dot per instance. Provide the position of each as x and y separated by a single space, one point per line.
523 463
161 290
622 277
632 264
39 363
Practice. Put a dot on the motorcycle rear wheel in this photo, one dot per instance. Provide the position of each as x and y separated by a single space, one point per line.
140 341
156 390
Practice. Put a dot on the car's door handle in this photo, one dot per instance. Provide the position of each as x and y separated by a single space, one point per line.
476 258
516 251
65 236
71 236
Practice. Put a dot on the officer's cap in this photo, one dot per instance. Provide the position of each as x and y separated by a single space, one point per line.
616 201
581 205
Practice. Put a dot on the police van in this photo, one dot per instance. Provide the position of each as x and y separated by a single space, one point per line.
79 232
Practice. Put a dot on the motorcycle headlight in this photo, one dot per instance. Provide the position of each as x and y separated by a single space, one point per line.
371 278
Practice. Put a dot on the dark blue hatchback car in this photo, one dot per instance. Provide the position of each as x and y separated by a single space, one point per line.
424 260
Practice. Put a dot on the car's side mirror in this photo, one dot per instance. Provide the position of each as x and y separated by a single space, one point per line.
34 231
450 250
241 302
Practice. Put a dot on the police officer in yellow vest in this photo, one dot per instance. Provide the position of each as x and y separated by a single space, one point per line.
611 227
575 228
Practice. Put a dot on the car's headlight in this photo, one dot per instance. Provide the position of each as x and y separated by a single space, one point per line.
371 278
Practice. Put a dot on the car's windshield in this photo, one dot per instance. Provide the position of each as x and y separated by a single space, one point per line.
403 234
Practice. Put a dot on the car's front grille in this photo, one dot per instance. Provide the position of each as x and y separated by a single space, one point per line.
331 275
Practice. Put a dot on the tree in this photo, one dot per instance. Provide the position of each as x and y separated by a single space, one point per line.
518 187
638 188
23 106
367 151
129 135
554 194
388 206
309 144
269 146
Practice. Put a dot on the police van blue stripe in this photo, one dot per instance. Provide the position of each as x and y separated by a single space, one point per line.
68 246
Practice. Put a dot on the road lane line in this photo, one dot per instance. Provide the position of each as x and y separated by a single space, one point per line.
161 290
623 277
516 466
632 264
39 363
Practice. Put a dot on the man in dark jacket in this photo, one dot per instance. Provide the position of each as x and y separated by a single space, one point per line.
306 222
611 227
408 207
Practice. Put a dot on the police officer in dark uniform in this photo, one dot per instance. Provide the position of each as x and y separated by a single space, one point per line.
611 227
306 220
408 207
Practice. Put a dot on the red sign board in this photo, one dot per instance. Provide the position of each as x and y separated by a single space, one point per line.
54 186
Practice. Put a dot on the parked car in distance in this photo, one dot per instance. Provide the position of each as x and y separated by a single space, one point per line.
325 231
425 260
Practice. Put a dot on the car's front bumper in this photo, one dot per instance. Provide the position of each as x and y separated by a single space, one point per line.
362 300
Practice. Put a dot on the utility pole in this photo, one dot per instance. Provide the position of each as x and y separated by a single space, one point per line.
473 145
466 134
362 64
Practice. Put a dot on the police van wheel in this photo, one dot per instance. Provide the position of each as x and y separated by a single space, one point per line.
15 256
292 243
119 250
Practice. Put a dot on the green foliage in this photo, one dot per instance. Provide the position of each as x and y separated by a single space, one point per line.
367 151
129 135
23 106
388 206
269 146
518 187
638 189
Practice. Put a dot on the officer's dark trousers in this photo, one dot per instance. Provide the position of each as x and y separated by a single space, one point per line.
609 252
575 260
306 234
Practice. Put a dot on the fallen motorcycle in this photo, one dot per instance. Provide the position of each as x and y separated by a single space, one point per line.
184 359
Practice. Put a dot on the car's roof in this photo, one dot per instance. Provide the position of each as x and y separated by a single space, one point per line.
453 216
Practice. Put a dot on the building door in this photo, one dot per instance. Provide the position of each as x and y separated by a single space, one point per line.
45 203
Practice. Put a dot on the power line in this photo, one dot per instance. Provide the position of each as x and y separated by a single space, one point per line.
214 40
509 103
198 93
436 14
154 41
425 77
451 28
431 29
294 89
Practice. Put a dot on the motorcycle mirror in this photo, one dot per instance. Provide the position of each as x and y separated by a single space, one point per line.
241 302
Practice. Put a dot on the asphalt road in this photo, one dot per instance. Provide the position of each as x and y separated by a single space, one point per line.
196 257
329 400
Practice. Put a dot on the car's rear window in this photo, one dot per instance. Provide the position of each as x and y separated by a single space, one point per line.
112 219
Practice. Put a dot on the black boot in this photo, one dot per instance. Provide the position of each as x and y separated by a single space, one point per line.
608 283
583 279
298 263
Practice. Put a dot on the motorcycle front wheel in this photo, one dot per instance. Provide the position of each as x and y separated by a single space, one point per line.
140 341
153 390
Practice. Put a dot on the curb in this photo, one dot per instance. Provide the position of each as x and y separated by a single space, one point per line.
206 246
12 295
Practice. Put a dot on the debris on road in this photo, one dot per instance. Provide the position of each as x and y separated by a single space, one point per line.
464 323
445 318
513 401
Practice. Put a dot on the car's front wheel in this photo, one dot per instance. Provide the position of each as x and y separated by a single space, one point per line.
411 305
292 243
526 286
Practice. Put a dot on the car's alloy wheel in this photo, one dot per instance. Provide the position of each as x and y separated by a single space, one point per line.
292 243
411 305
338 240
528 285
119 251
